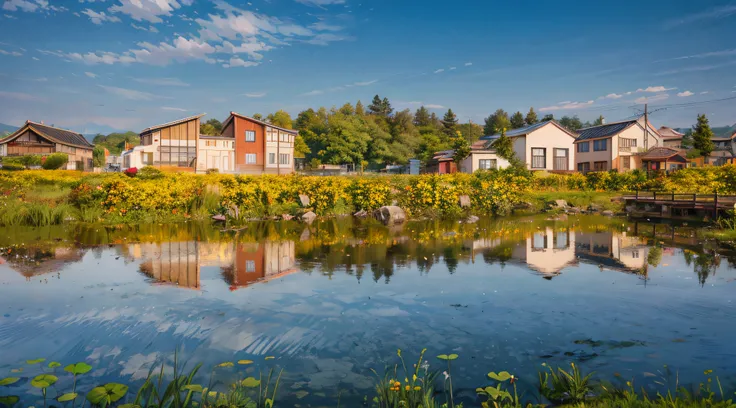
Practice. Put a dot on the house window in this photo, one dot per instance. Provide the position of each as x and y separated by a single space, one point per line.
487 164
250 158
250 136
600 145
539 158
600 166
584 167
628 142
283 158
561 160
635 254
626 162
272 158
539 241
584 147
250 266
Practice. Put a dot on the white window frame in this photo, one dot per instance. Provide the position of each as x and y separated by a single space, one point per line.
250 136
251 158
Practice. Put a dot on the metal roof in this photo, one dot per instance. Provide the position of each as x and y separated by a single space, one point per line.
610 129
176 122
260 122
63 136
526 130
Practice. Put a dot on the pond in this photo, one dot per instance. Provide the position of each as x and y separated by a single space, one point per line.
333 300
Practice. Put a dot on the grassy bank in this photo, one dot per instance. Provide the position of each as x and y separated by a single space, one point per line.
411 383
54 197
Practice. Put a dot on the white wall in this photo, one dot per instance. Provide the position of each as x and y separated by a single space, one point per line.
520 148
472 163
548 137
221 156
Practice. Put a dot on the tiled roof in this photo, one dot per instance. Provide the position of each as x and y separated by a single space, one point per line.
660 153
610 129
669 133
176 122
444 155
63 136
260 122
523 131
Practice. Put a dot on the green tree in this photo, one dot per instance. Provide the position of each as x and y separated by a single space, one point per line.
359 109
599 121
422 117
471 131
98 156
55 161
347 109
449 121
380 107
496 122
504 146
687 140
257 116
517 120
301 149
461 147
212 127
702 136
548 117
571 123
280 118
531 117
115 142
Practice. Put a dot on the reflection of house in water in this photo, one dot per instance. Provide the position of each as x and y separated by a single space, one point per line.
619 252
30 261
547 251
260 261
170 262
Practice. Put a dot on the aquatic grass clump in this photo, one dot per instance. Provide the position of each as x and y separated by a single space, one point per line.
565 387
416 390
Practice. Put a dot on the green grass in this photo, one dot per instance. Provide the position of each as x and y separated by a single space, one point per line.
580 199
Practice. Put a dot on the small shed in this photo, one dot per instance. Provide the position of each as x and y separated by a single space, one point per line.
664 158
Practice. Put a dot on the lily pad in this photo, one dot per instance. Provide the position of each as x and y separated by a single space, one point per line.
270 357
226 364
9 400
44 380
245 362
36 361
9 380
68 397
301 394
250 382
502 376
54 364
79 368
107 394
447 357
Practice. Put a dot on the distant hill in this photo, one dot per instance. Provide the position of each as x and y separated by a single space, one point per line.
6 129
718 131
115 142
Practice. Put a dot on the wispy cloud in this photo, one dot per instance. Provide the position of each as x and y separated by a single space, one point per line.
439 71
710 14
100 17
721 53
467 64
169 108
704 92
655 98
433 106
255 94
685 94
655 89
161 81
131 93
12 53
19 96
148 10
91 75
612 96
320 3
239 62
31 6
313 93
698 68
150 28
366 83
567 105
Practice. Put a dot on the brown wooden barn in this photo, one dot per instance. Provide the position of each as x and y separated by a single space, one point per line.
40 139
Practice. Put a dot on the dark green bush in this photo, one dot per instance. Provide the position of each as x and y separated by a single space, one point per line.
13 166
150 173
54 161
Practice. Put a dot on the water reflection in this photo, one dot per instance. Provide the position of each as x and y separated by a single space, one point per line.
175 255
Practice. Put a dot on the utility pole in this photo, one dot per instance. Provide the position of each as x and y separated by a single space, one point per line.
646 126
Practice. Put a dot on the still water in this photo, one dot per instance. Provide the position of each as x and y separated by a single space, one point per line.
336 299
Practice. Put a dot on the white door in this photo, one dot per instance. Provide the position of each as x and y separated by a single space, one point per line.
226 163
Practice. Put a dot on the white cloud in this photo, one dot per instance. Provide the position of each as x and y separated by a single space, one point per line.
31 6
150 28
327 38
169 108
312 93
161 81
180 50
366 83
35 59
655 98
255 94
467 64
99 18
130 93
148 10
90 74
654 89
320 3
711 14
13 53
239 62
704 92
252 49
698 68
453 68
721 53
685 94
322 26
439 71
19 96
433 106
612 96
567 105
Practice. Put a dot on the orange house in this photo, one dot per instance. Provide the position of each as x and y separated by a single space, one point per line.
260 147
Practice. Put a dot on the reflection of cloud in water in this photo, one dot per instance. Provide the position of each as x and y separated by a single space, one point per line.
138 366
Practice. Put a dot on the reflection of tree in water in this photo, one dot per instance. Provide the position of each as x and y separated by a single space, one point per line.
450 255
654 258
500 254
705 265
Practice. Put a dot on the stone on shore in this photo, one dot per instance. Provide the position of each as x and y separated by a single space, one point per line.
472 219
390 215
361 214
309 217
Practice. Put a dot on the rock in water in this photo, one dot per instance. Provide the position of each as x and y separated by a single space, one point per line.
561 203
219 218
472 219
287 217
608 213
361 214
390 215
309 217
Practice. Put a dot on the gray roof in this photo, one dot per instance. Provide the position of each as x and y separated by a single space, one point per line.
610 129
176 122
523 131
63 136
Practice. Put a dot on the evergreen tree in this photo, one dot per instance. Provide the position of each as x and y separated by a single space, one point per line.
496 122
359 109
517 120
422 117
376 107
386 106
347 109
687 140
531 117
548 117
571 123
702 136
504 146
450 122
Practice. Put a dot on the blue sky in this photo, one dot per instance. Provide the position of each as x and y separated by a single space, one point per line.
103 65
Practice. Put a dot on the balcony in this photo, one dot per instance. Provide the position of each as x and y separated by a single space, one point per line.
626 149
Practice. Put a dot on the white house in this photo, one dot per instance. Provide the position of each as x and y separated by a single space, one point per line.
482 157
542 146
216 152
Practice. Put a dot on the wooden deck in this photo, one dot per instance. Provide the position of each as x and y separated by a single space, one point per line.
712 203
